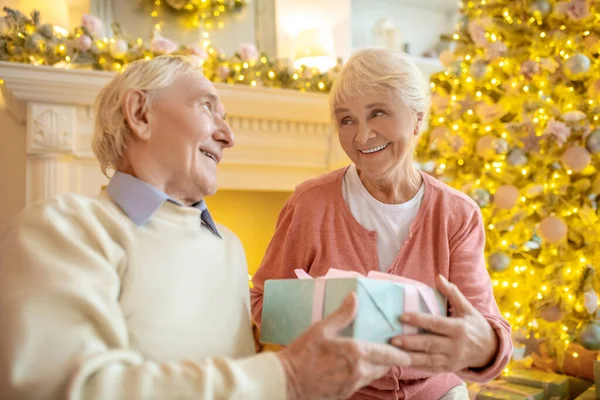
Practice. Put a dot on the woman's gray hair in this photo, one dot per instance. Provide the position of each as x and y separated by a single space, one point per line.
111 131
372 70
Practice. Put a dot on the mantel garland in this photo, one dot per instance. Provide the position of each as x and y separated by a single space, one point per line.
25 39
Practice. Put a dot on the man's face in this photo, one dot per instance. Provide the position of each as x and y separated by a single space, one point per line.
188 136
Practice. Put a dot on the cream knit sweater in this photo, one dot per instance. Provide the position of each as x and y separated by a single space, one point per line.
94 307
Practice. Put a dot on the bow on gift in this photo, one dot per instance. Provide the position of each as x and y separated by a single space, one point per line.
414 291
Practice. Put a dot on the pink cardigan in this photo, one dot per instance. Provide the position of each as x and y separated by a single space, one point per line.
316 231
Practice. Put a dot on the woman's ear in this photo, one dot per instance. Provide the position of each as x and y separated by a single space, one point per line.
137 114
418 125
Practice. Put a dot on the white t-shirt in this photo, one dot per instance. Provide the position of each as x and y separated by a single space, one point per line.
390 221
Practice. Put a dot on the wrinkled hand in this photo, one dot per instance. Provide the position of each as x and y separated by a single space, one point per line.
465 340
322 365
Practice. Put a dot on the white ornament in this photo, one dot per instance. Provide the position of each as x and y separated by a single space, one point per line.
118 48
590 301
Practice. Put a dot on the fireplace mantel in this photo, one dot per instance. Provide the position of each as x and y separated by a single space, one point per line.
283 137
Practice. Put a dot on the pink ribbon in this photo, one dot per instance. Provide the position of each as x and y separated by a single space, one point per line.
414 291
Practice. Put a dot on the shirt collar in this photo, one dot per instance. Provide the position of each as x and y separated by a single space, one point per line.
140 200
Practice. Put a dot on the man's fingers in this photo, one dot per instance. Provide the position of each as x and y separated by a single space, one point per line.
456 299
443 326
424 343
383 354
342 317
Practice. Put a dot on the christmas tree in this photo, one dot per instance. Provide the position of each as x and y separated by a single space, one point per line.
514 124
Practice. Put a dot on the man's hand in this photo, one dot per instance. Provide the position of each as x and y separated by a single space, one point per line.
465 340
322 365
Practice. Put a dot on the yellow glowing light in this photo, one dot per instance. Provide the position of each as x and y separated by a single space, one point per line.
455 36
441 119
491 226
271 74
253 83
241 77
442 166
505 284
543 34
478 94
154 14
295 76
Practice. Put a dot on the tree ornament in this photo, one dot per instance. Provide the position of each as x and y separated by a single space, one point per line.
485 147
590 301
552 313
589 336
553 230
506 197
541 8
481 196
517 158
593 142
499 261
118 48
576 158
480 69
501 146
577 66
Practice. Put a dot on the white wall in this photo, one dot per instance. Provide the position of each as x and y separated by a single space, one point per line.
419 25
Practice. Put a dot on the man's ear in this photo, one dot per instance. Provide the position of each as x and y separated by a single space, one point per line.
137 114
419 122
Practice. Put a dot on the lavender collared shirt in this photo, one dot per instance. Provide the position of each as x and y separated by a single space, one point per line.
140 200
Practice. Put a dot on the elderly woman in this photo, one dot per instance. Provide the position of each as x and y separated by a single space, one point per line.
381 213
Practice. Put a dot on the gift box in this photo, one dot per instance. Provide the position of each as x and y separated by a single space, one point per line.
589 394
501 390
597 375
290 306
578 386
555 386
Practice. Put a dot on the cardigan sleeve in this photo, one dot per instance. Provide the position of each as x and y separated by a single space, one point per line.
63 333
285 253
468 272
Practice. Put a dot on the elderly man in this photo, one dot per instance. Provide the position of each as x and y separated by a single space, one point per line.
137 293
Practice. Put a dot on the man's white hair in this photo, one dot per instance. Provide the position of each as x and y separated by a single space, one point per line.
372 70
111 131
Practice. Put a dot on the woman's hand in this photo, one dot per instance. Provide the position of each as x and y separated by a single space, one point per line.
465 340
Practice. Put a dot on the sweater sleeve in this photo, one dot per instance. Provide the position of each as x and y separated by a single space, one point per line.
468 272
284 254
63 333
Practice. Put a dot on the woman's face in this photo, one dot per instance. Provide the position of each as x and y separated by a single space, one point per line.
377 132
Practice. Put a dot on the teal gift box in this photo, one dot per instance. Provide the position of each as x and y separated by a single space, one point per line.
555 386
290 306
500 390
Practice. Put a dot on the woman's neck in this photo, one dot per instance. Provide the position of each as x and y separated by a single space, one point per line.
399 186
